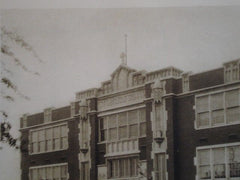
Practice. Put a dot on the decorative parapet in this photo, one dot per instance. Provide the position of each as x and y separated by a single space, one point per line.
164 73
232 71
185 81
48 114
24 120
120 100
106 87
157 91
73 109
138 78
89 93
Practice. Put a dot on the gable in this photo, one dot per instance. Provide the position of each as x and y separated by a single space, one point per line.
121 78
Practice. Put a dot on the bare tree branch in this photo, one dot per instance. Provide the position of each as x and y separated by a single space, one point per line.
5 50
9 84
19 40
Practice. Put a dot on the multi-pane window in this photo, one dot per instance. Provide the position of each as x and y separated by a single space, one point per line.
49 139
129 124
160 166
222 162
112 124
124 167
49 172
103 129
218 109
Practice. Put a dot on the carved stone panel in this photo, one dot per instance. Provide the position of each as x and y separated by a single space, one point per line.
121 100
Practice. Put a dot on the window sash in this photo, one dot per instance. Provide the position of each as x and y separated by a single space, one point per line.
219 109
122 168
219 162
124 122
160 166
52 172
49 139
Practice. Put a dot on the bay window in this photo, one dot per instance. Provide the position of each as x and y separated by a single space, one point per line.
124 125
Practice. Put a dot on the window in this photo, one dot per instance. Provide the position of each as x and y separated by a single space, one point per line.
85 171
49 172
133 123
220 162
160 166
218 109
112 124
103 128
49 139
124 167
142 119
129 124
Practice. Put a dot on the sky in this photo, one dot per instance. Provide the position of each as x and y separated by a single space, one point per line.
81 47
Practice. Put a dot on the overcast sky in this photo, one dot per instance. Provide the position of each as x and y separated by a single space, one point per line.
81 48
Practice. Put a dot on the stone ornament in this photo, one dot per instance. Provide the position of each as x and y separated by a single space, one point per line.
83 107
157 91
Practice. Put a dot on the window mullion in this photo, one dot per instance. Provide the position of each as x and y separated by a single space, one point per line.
226 163
128 133
224 108
107 128
139 123
209 110
52 139
117 127
211 164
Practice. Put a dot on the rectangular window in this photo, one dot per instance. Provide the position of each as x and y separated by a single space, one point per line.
133 130
220 162
218 109
56 138
133 117
49 139
49 172
41 141
112 134
122 168
122 119
85 171
103 129
160 166
34 143
64 138
129 124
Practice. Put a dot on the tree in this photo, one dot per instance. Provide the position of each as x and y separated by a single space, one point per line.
9 89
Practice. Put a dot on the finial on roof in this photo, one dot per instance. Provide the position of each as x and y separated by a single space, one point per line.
123 58
123 55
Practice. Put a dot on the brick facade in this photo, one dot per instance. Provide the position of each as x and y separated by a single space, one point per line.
170 133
